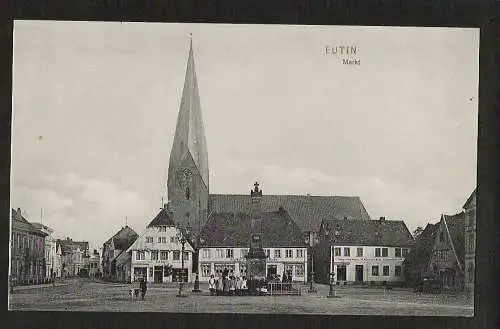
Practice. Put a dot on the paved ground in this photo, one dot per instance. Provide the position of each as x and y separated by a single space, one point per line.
84 295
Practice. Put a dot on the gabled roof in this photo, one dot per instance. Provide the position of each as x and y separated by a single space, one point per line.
456 227
233 230
164 218
68 245
469 199
306 211
19 222
124 232
368 232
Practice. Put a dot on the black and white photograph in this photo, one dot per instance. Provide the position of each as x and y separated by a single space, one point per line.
239 168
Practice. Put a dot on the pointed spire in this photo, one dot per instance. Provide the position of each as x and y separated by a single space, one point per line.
189 139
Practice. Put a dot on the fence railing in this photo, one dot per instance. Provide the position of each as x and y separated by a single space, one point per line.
280 288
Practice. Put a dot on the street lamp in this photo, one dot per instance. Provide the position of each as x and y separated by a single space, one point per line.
199 242
311 241
333 293
181 283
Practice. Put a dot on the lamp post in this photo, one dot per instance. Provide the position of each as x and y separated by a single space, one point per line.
311 241
181 283
333 293
199 242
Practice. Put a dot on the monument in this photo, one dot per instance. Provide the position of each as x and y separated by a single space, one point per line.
256 258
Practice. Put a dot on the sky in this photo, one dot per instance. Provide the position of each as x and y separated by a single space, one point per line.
95 106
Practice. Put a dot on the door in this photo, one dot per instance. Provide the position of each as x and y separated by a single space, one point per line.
158 274
359 273
272 270
341 273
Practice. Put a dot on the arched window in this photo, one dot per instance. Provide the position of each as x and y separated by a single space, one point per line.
188 193
441 236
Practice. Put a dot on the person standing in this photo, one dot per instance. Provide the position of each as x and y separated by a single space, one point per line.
211 285
232 285
218 283
244 288
143 286
238 286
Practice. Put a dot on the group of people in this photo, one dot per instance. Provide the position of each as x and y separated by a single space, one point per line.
227 284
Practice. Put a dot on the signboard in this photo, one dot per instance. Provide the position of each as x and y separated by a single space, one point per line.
179 275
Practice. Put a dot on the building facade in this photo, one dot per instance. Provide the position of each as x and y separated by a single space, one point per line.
363 251
73 255
50 248
112 248
157 254
225 242
447 258
27 249
470 242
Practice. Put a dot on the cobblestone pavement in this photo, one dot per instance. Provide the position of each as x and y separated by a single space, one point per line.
84 295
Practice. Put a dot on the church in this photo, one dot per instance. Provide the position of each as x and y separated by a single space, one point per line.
200 213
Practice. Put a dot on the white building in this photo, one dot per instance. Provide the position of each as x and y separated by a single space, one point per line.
224 244
363 251
158 249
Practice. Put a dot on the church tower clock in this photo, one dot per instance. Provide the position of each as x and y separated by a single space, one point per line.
188 178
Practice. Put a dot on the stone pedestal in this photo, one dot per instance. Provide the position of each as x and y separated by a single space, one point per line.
256 268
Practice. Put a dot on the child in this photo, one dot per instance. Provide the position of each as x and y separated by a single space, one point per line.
244 287
211 285
238 286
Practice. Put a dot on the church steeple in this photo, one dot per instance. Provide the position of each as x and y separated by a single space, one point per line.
188 176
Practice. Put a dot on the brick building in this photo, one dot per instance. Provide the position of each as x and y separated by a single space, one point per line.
470 242
447 257
27 248
113 248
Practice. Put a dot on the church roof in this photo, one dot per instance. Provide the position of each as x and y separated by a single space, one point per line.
189 135
233 230
368 232
307 211
164 218
470 199
456 227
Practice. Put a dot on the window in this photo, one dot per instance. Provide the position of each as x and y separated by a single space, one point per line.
159 239
471 242
163 255
337 251
154 255
385 252
299 253
289 269
229 253
268 253
243 269
149 239
277 253
299 270
176 255
186 255
150 272
377 252
173 239
219 253
471 272
397 270
385 270
139 255
206 253
347 251
163 239
441 236
405 252
375 270
288 253
397 252
360 252
244 253
205 270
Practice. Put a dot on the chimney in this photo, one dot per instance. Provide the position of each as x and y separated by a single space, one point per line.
382 219
256 195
